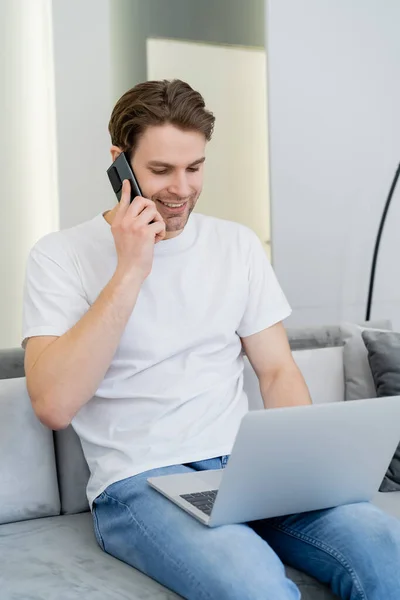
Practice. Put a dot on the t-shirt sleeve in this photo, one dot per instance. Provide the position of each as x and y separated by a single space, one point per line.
54 299
266 303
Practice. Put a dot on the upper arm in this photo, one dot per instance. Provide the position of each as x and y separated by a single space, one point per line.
54 299
268 351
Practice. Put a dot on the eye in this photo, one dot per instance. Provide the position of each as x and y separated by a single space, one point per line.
193 169
159 172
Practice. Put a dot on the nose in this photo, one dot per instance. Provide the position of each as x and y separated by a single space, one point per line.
179 185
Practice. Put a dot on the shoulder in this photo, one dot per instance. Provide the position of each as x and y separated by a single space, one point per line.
63 247
226 231
65 241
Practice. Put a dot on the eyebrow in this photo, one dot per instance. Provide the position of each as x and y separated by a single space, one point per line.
158 163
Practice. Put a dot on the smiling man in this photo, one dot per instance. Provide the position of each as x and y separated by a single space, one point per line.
134 325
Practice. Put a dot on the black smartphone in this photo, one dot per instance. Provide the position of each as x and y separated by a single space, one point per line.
120 170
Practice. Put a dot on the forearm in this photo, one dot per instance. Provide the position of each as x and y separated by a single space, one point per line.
284 388
67 374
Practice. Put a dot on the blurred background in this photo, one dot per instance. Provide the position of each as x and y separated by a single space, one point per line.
307 136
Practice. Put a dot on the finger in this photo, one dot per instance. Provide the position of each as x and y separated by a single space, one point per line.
158 229
138 205
124 200
147 215
158 217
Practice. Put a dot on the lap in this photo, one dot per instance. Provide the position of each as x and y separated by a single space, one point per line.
139 526
355 549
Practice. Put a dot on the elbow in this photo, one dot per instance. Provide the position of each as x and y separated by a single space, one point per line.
49 416
54 423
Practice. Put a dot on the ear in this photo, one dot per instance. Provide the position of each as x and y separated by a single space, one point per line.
115 151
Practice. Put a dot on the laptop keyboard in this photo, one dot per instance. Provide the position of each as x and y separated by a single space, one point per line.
203 501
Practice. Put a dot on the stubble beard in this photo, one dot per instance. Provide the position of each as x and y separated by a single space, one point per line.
178 222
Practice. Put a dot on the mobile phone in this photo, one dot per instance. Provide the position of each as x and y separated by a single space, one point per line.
120 170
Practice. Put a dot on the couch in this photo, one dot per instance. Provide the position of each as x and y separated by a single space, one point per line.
47 545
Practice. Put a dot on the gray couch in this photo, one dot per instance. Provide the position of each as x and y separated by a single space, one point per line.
47 545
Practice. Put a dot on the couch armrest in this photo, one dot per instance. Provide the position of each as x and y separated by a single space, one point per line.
12 363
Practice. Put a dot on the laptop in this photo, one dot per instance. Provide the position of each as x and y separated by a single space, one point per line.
293 460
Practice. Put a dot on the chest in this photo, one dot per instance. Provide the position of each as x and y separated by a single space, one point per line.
192 301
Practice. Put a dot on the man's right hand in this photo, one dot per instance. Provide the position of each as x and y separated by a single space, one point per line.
136 227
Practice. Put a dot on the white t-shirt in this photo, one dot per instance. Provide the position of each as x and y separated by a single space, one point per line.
174 390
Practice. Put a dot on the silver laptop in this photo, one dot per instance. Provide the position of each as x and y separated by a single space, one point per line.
291 460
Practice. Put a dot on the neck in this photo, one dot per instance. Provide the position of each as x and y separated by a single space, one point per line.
172 234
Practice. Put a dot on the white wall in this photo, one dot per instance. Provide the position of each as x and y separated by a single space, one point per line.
82 61
28 181
236 173
334 97
55 104
233 22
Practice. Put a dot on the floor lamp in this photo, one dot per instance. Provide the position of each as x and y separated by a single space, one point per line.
377 243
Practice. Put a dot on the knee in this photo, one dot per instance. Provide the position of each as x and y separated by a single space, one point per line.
372 551
373 527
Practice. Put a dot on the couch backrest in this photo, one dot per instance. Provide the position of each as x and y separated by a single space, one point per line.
12 363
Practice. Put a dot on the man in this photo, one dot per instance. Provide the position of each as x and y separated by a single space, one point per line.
134 324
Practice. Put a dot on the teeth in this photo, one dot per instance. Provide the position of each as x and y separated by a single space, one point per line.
173 205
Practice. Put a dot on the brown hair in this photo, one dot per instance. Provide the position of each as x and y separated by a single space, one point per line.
155 103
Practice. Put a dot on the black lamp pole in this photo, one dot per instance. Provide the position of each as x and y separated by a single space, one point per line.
377 243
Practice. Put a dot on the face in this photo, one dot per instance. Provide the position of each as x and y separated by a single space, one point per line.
168 164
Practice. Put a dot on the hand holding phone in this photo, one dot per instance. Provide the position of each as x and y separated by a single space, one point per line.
136 228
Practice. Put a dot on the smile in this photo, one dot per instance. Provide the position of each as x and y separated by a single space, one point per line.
171 205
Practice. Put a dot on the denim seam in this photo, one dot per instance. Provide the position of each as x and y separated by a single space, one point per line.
97 530
328 550
153 540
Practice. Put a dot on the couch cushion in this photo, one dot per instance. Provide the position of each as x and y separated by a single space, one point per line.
390 503
384 359
358 378
322 370
59 558
73 472
28 475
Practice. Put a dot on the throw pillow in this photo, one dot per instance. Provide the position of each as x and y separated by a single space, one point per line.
384 359
358 378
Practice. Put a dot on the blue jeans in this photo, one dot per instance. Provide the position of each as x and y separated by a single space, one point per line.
355 549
